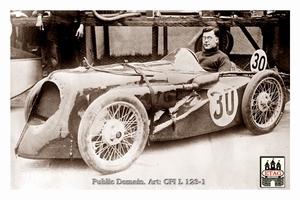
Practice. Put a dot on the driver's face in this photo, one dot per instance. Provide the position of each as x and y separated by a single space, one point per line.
209 40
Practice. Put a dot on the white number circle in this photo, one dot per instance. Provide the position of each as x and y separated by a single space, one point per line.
223 105
258 61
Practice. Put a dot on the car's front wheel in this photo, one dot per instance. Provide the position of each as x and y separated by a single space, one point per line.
113 132
263 102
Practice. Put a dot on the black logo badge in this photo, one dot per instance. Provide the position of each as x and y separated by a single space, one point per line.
272 172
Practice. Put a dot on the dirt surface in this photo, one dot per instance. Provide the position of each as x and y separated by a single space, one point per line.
227 159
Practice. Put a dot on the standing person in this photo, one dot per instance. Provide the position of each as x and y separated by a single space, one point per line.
211 58
60 41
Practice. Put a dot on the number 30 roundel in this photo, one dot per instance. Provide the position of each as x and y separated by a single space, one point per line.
223 105
258 61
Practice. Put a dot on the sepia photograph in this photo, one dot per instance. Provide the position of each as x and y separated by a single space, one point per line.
153 99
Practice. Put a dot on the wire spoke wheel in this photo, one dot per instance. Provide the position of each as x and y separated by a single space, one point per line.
267 102
263 102
118 132
113 132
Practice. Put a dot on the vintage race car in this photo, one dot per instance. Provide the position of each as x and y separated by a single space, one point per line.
107 114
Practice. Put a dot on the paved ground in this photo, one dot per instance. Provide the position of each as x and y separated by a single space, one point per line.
227 159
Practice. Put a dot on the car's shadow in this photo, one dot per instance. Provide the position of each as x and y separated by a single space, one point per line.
55 164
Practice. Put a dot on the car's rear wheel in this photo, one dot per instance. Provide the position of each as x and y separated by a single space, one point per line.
263 102
113 132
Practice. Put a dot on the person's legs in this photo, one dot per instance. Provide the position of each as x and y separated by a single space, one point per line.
53 58
69 47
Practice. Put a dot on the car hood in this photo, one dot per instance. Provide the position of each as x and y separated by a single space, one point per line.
122 74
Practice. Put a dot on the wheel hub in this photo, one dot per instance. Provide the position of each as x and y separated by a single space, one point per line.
264 101
113 131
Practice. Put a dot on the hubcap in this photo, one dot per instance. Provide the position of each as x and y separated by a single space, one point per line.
113 131
264 101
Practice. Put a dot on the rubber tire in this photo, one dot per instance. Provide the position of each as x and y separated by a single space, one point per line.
84 144
248 95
